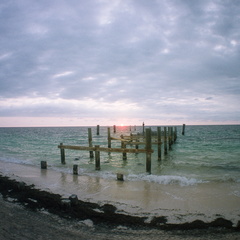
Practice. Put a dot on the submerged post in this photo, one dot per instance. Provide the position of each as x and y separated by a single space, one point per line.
90 141
148 149
97 158
120 177
159 141
75 169
165 140
97 129
62 151
183 129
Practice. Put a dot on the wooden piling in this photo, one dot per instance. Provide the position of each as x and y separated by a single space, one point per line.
97 129
175 134
169 138
43 165
90 142
75 169
124 154
148 148
109 138
62 150
143 126
97 157
183 129
159 140
165 140
114 128
120 177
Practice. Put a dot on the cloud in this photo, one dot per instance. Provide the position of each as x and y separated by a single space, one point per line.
156 58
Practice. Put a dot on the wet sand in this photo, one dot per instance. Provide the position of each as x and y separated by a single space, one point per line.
179 204
109 209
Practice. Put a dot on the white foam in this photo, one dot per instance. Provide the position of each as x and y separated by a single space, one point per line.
87 222
166 179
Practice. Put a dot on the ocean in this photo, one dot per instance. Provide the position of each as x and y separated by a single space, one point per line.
199 178
205 153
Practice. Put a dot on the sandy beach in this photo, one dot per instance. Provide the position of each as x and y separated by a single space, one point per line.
20 223
35 204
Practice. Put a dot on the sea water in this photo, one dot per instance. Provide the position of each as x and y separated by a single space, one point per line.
203 154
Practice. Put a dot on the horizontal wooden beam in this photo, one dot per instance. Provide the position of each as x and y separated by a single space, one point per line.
102 149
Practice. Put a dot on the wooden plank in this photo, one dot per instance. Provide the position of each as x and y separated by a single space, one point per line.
102 149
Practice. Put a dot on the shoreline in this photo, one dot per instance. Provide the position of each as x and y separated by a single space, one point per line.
73 208
28 190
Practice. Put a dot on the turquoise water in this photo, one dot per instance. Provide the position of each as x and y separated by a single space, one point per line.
203 154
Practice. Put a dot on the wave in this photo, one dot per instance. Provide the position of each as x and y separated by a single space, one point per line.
166 179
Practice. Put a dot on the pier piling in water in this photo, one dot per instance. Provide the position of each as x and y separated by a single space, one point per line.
90 142
120 177
159 141
109 138
159 138
62 150
175 134
183 129
97 157
148 148
97 129
43 165
75 169
165 140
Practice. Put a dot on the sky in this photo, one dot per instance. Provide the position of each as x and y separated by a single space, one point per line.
122 62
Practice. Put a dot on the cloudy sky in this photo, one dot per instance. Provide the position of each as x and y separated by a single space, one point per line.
77 62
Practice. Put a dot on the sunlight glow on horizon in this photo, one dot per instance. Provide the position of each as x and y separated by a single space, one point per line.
78 122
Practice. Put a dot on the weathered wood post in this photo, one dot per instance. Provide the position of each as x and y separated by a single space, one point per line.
120 177
43 165
136 146
130 128
123 145
109 138
175 134
97 129
172 138
159 140
143 126
183 129
97 157
90 141
148 149
165 140
169 138
114 128
62 151
75 169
